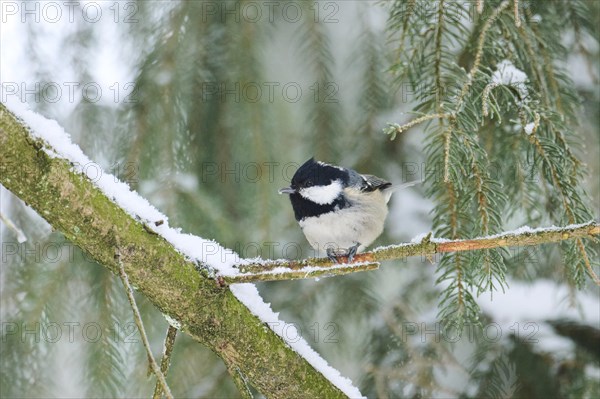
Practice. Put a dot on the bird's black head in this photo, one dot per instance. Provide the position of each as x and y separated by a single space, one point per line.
314 173
317 188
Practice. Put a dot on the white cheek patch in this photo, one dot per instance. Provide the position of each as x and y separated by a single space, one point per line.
323 194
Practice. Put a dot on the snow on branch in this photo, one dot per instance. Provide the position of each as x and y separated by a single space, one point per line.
40 165
424 245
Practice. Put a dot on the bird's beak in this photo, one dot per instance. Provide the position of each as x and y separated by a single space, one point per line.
287 190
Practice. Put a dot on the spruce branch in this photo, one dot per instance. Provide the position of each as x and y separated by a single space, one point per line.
554 90
586 261
438 58
525 35
485 98
479 54
550 95
393 128
166 359
469 198
566 201
410 9
286 270
516 12
447 135
453 208
140 325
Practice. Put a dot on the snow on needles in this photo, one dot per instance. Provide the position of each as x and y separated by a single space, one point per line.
529 128
208 252
509 75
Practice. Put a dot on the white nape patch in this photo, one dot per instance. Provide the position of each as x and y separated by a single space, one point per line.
327 164
323 194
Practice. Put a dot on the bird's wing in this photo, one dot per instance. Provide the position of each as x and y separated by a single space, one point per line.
372 183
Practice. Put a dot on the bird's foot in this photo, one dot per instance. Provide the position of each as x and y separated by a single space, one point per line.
334 255
352 251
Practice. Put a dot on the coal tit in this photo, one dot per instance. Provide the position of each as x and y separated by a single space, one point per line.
339 210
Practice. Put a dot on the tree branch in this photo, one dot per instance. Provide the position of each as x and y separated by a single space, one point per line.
207 312
288 270
140 325
166 359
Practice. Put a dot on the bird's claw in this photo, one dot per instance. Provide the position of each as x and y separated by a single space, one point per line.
333 255
352 251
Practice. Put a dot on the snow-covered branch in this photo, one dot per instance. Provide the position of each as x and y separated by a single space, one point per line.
424 246
38 163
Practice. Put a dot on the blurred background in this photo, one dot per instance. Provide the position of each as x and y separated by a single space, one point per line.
206 108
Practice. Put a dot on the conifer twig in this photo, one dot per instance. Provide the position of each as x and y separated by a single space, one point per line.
516 12
479 54
438 58
291 269
395 128
166 359
140 325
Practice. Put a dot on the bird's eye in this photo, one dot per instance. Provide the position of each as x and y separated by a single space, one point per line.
308 183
